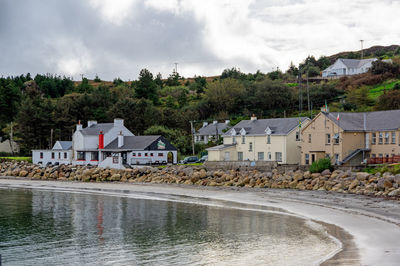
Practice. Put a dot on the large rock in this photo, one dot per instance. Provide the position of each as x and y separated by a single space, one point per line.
362 176
326 172
394 193
354 184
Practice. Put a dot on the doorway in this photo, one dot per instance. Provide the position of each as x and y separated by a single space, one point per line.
170 157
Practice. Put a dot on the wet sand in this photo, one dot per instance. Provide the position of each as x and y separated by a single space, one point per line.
368 228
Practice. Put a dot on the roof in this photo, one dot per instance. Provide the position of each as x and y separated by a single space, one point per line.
278 126
95 129
356 63
65 145
220 147
211 128
133 143
367 121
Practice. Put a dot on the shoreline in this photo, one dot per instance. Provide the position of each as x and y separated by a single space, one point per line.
368 228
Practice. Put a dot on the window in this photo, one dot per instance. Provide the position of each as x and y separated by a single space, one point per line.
336 138
386 137
269 156
268 139
393 137
243 139
380 155
261 156
151 154
227 156
233 140
52 155
307 158
373 155
146 154
336 158
297 136
309 138
139 154
59 155
160 154
328 138
65 155
80 156
380 137
240 156
133 153
327 156
373 138
250 146
41 155
94 155
278 156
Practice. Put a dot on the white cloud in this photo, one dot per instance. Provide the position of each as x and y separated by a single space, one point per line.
114 11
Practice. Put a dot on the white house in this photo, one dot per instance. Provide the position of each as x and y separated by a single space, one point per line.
348 67
210 132
108 145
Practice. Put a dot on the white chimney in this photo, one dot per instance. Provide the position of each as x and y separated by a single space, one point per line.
78 126
91 123
120 140
118 122
253 117
205 124
215 122
227 121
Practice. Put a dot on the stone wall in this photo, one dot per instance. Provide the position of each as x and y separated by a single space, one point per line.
387 185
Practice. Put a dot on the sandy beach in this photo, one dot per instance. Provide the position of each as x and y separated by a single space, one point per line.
368 228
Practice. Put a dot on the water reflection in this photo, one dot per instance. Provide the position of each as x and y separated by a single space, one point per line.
45 227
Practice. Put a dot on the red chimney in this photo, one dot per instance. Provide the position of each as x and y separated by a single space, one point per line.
101 140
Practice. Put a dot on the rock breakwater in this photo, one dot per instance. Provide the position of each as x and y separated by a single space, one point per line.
386 184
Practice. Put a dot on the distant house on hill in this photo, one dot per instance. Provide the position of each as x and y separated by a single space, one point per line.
8 146
348 67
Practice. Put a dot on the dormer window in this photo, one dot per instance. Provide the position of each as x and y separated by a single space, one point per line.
242 132
268 131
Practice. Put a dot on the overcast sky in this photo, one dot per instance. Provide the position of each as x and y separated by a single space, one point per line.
117 38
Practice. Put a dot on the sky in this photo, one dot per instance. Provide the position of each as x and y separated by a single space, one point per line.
118 38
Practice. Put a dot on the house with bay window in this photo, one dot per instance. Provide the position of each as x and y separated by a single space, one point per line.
108 145
352 138
276 139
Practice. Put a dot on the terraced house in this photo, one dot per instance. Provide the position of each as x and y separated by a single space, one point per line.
352 138
275 139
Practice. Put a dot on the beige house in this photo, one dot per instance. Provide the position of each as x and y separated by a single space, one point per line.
275 139
351 138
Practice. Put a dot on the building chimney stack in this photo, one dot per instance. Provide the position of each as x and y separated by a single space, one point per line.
118 122
205 124
215 122
91 123
253 117
120 140
79 126
227 121
101 140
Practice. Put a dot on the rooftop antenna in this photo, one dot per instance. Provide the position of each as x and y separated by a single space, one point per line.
362 52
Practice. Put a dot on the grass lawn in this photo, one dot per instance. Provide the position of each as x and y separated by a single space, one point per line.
28 159
377 90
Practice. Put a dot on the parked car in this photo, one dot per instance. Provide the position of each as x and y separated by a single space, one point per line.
190 159
203 159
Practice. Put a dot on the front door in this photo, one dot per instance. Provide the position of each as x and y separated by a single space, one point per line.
312 158
170 157
124 157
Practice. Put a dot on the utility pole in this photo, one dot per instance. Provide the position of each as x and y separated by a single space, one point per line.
51 138
308 95
362 52
176 67
192 130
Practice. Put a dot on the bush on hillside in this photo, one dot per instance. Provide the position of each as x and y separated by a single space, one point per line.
321 165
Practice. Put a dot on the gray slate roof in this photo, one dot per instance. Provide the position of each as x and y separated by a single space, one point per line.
356 63
210 129
278 126
95 129
133 143
367 121
65 145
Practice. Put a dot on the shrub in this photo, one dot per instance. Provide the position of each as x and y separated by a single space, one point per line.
321 165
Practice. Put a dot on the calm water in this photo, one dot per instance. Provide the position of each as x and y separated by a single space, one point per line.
39 227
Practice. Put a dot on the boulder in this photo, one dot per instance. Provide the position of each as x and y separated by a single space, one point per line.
362 176
394 193
326 172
